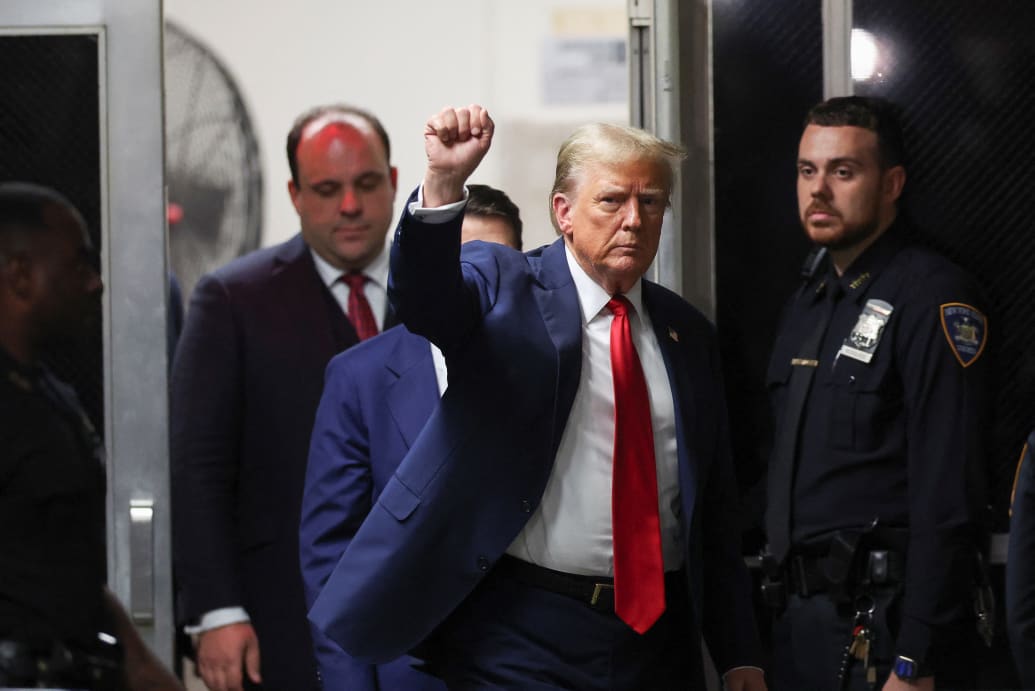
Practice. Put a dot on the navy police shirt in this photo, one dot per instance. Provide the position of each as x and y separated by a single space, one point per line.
892 428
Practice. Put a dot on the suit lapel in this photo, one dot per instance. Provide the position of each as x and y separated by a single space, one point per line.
310 298
674 352
414 392
559 306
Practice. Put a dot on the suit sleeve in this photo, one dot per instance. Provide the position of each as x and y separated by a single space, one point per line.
206 403
1020 568
338 495
728 617
433 293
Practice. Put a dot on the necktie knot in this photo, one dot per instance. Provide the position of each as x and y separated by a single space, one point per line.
354 280
619 306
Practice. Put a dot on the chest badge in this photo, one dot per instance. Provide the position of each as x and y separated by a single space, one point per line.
966 330
862 342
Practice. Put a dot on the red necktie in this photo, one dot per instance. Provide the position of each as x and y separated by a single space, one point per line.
360 314
639 570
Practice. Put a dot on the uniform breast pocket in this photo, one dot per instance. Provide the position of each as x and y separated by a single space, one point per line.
866 401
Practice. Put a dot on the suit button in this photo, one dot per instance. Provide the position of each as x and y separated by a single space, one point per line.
526 506
483 563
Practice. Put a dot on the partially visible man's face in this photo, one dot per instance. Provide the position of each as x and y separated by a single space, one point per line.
612 221
345 191
842 198
488 228
66 284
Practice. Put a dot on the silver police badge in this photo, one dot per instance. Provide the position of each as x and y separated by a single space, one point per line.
862 342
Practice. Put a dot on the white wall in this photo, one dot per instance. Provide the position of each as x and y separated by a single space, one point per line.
404 60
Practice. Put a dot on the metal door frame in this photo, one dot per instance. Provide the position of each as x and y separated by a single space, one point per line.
134 268
670 48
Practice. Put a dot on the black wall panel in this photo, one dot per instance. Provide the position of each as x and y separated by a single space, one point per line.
768 66
964 73
50 134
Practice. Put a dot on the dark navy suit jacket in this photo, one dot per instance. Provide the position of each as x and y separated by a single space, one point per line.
509 325
245 384
377 397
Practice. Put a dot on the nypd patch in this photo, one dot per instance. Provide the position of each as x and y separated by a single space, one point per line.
966 330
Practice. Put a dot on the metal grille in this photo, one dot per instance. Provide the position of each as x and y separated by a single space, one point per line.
49 134
213 168
963 73
768 66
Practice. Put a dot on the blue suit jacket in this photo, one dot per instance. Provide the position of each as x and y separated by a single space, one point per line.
376 398
509 325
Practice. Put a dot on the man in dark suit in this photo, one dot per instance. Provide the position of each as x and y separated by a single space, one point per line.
245 385
492 548
377 397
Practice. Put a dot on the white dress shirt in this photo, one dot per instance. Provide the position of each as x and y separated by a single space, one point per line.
375 289
571 529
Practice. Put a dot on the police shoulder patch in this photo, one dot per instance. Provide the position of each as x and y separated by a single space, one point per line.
966 330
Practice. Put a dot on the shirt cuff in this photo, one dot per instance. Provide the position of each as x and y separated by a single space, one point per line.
733 669
224 616
438 214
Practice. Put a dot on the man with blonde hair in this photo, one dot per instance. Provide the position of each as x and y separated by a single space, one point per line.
548 529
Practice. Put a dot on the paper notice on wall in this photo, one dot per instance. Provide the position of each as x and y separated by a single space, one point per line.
585 71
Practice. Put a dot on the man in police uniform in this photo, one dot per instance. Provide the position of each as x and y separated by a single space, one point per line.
59 624
878 384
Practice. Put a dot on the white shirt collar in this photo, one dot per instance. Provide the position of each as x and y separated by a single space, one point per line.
376 271
592 297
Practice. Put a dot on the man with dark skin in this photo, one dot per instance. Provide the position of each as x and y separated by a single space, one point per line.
54 604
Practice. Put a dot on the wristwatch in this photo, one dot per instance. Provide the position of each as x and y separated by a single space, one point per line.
906 668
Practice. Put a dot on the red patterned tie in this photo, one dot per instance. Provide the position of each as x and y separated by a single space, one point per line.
360 314
639 570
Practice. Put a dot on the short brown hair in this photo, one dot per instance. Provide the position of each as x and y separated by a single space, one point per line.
303 120
878 115
490 202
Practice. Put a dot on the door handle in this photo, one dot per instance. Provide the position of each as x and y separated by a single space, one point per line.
141 561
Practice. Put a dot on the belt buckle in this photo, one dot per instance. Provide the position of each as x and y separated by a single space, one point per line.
598 589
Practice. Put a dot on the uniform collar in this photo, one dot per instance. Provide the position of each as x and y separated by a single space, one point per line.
856 280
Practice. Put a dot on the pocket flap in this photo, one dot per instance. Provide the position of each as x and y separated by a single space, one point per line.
398 500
